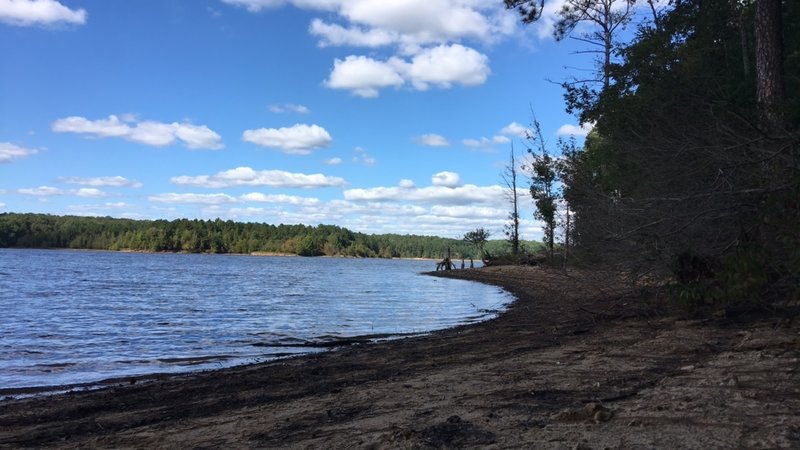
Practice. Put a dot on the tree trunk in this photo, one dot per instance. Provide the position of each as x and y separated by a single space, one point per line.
770 91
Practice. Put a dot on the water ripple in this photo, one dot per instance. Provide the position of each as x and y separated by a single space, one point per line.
77 317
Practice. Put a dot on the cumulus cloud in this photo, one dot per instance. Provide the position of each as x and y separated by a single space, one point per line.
574 130
99 209
289 107
516 130
49 191
116 181
10 152
425 36
299 139
111 127
151 133
432 140
246 176
468 212
407 184
443 195
363 158
90 193
445 65
442 66
255 5
485 143
334 161
373 23
363 76
259 197
39 12
41 191
196 199
337 35
447 179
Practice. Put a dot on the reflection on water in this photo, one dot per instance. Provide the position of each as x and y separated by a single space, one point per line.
74 317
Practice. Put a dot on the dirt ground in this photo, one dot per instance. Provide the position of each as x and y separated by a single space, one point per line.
577 362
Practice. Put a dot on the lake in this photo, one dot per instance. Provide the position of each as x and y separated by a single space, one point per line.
80 316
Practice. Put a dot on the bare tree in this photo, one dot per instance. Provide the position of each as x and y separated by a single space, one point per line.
608 18
510 179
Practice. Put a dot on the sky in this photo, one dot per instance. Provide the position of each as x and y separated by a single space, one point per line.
381 116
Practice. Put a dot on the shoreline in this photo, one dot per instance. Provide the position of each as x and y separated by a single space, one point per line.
575 361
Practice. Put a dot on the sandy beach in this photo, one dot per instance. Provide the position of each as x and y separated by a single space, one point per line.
577 362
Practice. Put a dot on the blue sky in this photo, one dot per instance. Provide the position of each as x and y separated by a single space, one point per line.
377 115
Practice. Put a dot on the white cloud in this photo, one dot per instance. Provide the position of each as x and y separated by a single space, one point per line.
333 161
279 198
462 195
49 191
196 199
363 76
99 209
426 38
10 152
39 12
151 133
515 129
408 22
255 5
41 191
197 136
574 130
363 158
289 107
337 35
116 181
485 143
299 139
246 176
407 184
442 66
445 65
111 127
468 212
2 205
89 193
432 140
446 179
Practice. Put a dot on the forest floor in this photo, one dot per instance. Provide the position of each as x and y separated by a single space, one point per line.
578 361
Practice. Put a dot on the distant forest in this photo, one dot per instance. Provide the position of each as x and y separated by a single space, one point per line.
218 236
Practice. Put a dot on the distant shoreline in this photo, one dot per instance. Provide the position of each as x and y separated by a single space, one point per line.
258 254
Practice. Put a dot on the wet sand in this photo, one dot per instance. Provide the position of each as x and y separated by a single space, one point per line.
578 361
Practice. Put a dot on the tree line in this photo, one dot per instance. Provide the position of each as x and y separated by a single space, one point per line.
692 168
219 236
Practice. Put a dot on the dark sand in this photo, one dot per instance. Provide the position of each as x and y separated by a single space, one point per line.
577 362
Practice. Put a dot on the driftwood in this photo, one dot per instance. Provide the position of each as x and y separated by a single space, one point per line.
446 263
521 260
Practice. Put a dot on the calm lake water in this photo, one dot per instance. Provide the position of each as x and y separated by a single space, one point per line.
79 316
